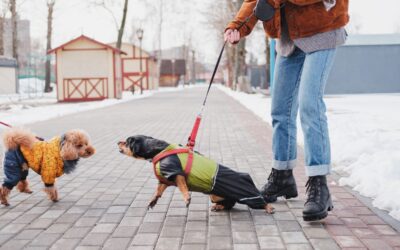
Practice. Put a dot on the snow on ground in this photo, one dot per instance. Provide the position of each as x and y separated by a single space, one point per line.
32 105
365 141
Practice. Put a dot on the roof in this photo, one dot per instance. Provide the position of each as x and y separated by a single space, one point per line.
8 62
89 39
381 39
176 68
149 55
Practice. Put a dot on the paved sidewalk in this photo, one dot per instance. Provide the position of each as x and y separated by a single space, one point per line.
103 204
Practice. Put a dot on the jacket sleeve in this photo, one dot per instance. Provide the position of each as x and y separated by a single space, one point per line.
245 11
304 2
48 170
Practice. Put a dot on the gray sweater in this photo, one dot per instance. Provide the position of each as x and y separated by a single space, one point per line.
326 40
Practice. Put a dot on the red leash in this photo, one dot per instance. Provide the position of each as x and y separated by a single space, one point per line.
192 138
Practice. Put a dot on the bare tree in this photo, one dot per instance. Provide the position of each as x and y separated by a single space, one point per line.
219 14
122 26
13 10
4 10
50 10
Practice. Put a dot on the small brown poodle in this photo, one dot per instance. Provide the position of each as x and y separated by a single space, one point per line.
50 159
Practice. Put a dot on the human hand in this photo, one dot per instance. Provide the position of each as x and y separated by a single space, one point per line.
232 36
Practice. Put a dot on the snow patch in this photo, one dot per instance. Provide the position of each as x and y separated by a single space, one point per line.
365 135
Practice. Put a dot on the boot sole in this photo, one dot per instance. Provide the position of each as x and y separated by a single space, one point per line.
288 193
320 215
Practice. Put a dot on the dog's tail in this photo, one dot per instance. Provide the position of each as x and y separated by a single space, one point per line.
15 137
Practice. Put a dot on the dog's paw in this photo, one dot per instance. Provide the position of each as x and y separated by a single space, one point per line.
187 201
269 209
217 208
23 187
52 193
4 193
153 202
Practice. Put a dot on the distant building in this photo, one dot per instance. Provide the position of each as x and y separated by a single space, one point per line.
172 72
366 64
181 52
87 70
8 75
24 40
132 75
175 57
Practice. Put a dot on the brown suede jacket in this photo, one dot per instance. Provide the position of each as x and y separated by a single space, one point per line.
304 17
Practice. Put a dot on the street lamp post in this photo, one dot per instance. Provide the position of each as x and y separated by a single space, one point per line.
139 34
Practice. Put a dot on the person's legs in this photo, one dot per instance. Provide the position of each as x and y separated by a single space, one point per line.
284 109
284 113
317 66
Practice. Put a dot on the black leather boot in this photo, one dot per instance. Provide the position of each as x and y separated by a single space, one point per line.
318 201
280 183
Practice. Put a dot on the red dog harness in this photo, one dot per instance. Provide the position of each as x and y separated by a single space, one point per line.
167 153
188 150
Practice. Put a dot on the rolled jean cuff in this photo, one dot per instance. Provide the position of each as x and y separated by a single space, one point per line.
284 165
318 170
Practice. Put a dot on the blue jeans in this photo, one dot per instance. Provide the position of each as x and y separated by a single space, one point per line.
299 83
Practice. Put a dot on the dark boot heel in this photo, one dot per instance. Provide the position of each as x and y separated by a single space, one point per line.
330 206
290 193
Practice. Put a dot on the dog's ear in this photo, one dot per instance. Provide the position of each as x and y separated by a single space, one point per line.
145 146
69 151
135 144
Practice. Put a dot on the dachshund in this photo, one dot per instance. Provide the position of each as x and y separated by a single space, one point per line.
224 185
50 159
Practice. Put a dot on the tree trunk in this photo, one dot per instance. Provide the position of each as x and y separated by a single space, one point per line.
13 10
122 27
267 63
1 36
240 55
159 59
50 6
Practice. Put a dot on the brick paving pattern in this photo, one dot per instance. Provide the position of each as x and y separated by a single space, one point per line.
103 204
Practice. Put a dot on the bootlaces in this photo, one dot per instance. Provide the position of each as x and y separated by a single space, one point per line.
272 176
313 190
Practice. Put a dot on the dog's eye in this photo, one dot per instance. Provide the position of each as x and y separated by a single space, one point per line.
80 146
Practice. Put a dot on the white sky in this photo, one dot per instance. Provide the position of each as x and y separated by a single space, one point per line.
181 18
